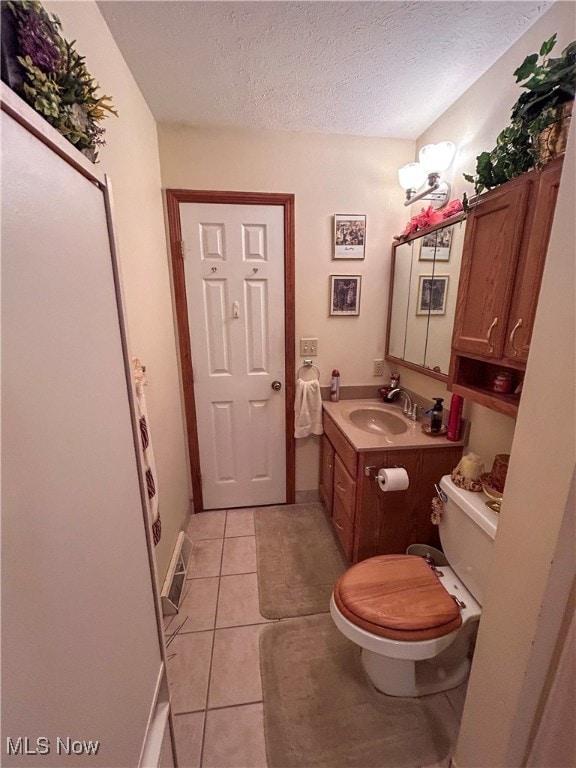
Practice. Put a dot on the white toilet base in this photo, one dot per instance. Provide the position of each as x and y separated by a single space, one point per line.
400 668
403 677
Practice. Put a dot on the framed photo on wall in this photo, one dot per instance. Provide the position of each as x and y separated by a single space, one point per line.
432 293
345 294
349 236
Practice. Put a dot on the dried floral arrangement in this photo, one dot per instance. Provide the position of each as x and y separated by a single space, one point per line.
428 217
55 80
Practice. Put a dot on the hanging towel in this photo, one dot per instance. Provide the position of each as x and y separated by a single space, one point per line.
307 409
140 381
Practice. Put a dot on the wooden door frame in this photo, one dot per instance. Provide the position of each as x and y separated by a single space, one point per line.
173 199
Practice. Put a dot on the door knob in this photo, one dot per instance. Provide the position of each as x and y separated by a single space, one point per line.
276 386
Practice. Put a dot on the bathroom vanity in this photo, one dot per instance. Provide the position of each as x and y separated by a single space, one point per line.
360 438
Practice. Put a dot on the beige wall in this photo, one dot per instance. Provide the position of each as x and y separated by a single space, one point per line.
130 157
472 123
328 174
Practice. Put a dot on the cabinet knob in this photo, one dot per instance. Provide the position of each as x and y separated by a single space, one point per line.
489 334
518 325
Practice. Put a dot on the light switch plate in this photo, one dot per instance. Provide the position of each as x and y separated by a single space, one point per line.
308 347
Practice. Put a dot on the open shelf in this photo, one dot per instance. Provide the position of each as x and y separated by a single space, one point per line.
473 379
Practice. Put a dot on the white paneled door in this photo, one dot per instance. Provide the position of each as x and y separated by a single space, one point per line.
234 273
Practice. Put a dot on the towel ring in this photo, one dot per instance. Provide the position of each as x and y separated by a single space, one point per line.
309 364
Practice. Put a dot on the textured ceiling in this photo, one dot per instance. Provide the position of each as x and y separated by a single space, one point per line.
366 68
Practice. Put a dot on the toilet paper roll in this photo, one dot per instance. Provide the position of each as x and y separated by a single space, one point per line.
395 479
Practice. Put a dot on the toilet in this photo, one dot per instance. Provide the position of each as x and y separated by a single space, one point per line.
414 621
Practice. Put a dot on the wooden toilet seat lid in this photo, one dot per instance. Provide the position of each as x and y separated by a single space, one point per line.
398 597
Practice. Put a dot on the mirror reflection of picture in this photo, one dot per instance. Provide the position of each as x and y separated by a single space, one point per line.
345 294
432 295
436 245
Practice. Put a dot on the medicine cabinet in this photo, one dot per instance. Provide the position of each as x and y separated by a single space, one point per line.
422 305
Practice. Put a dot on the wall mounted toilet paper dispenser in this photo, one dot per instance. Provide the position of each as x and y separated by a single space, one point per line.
393 479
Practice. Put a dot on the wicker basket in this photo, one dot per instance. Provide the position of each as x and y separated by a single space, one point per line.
552 140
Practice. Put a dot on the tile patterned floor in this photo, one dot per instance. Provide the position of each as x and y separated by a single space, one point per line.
213 650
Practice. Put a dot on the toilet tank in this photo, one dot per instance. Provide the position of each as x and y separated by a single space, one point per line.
467 532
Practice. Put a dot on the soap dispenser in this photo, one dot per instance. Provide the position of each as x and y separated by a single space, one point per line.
436 415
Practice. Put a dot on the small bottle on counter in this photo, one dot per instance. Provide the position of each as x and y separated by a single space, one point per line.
394 380
436 415
335 386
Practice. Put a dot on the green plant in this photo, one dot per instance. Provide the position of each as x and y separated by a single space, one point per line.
512 156
57 83
549 83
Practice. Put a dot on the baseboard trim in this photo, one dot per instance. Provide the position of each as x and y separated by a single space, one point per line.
307 497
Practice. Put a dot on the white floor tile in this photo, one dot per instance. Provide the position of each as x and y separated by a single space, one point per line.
239 555
188 731
198 608
235 677
238 601
188 671
205 558
207 525
234 738
240 522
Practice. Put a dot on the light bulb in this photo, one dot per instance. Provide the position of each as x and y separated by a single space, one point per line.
437 157
411 176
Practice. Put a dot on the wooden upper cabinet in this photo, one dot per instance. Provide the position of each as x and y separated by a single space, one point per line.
502 264
531 266
492 244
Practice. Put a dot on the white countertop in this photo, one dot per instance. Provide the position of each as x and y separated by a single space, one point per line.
363 440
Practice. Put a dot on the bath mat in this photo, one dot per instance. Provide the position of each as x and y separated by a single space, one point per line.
321 710
298 560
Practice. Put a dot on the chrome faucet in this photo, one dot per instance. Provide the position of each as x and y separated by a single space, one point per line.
408 409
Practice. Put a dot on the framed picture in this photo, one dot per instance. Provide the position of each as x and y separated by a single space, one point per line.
432 293
345 294
349 236
436 245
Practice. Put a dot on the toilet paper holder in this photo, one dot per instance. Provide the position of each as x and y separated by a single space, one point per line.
372 471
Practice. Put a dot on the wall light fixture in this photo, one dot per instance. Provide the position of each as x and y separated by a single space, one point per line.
434 160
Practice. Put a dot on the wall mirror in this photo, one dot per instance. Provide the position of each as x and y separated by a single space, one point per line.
423 290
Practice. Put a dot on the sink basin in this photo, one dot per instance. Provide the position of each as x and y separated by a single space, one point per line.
380 422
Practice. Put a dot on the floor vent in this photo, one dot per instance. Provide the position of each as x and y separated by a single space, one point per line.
173 589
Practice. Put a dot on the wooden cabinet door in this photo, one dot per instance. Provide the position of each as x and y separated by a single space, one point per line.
343 526
531 266
326 472
492 243
387 523
344 488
